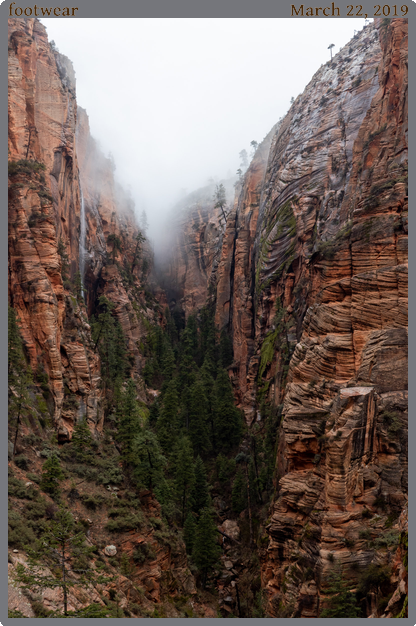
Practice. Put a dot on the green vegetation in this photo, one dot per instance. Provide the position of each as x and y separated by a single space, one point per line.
19 378
25 166
62 546
341 601
282 223
328 249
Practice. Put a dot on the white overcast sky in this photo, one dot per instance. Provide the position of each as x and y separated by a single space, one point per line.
175 100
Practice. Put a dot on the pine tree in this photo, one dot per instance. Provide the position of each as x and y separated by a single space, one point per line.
171 330
82 441
140 238
149 461
189 530
228 421
19 375
197 418
108 336
61 544
220 200
206 549
168 364
208 385
200 492
129 423
184 474
167 423
116 243
188 367
78 286
207 339
341 603
239 492
52 474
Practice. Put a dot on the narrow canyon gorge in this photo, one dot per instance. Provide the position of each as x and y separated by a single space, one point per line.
226 425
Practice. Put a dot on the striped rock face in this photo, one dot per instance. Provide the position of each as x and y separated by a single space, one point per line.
310 278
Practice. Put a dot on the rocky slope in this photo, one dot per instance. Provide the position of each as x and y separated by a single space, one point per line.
310 280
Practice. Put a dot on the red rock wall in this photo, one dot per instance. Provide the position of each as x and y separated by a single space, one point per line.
348 372
46 126
311 281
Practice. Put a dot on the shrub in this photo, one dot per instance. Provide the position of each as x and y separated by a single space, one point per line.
22 461
374 577
36 509
25 166
391 420
143 552
130 521
20 535
364 534
92 502
18 489
39 610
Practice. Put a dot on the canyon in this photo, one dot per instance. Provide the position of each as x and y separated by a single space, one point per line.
306 274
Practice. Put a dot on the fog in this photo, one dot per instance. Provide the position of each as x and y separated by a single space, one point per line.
176 100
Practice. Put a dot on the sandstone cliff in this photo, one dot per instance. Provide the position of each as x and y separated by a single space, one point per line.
66 215
310 280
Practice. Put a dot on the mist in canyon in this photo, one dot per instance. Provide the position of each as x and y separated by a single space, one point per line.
173 102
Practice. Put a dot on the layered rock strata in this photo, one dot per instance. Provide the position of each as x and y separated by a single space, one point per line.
311 282
61 186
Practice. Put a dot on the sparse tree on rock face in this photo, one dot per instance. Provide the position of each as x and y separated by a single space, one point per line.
341 602
254 145
331 45
220 199
140 238
61 548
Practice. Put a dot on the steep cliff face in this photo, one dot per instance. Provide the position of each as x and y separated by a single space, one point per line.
343 438
311 283
65 209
